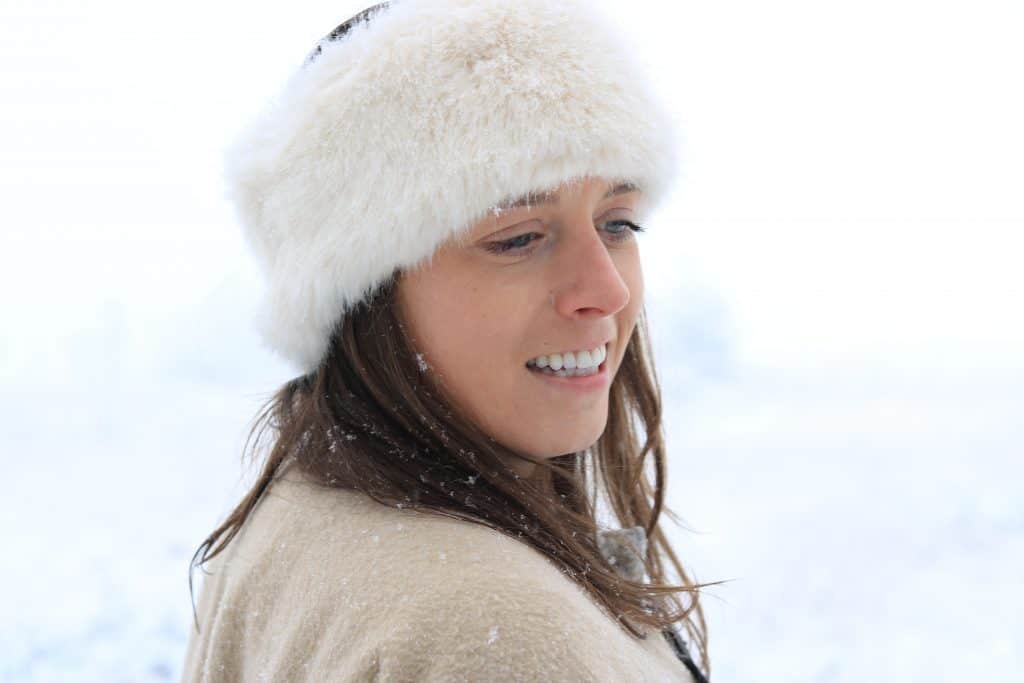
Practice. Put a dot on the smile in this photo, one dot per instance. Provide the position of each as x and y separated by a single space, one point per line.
571 363
594 376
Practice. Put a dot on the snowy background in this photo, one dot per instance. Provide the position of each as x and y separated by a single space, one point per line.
835 293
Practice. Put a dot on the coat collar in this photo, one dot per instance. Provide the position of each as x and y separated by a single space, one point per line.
625 549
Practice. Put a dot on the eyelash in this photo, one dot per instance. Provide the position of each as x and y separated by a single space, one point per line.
506 246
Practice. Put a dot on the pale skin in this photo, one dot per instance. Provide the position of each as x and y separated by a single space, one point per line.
477 317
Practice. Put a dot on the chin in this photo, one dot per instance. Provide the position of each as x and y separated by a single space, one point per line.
564 446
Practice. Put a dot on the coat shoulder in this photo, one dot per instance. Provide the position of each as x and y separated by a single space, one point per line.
331 581
403 555
449 599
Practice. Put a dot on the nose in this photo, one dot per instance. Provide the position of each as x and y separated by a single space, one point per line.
587 282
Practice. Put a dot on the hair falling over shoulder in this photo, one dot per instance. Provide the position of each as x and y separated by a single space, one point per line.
369 419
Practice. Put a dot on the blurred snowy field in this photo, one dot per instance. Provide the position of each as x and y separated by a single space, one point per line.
834 292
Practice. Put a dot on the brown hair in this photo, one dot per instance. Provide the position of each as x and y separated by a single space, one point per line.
370 419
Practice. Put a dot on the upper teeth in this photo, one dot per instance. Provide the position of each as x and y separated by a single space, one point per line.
571 359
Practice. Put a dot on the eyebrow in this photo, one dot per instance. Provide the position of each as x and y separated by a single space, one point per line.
549 197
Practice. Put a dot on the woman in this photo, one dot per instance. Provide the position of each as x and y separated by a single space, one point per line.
445 200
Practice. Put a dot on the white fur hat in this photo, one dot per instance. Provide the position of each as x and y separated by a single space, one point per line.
412 126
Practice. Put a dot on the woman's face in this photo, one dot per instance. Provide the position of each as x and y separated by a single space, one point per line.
560 275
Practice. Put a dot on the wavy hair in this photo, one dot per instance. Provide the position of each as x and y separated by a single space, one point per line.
370 419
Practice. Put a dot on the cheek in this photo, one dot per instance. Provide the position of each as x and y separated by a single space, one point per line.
440 327
460 329
632 274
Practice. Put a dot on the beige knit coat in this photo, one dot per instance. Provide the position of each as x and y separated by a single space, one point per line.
329 585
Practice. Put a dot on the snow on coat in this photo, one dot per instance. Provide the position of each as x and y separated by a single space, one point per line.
328 585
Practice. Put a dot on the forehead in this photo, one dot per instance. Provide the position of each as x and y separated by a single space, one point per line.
531 200
551 196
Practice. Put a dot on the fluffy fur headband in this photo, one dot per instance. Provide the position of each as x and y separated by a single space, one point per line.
412 126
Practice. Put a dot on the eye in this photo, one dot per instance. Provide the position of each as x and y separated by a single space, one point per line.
516 244
520 243
622 235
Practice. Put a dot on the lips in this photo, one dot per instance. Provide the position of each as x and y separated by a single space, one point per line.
596 381
600 347
565 372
